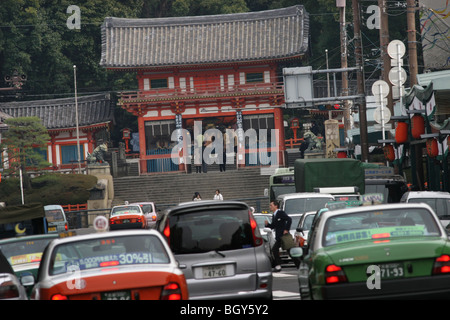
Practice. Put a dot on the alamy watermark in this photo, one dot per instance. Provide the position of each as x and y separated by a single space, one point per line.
374 277
74 21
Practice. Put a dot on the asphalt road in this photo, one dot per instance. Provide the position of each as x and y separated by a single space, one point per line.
285 284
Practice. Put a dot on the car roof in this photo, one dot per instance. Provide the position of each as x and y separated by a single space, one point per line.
95 235
305 195
29 238
389 206
428 194
144 202
206 204
53 207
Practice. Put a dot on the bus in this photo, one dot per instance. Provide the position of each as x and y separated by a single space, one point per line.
281 182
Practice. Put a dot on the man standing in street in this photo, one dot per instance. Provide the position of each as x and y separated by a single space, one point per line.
281 223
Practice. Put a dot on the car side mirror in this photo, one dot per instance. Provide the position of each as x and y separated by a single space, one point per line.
299 230
27 280
296 252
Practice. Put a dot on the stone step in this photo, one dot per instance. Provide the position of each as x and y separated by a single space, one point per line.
172 188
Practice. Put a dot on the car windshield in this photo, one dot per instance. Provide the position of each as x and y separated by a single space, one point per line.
107 251
379 225
301 205
54 215
307 222
440 205
125 210
26 251
147 208
204 231
295 221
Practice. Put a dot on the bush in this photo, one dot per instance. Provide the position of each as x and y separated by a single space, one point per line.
52 188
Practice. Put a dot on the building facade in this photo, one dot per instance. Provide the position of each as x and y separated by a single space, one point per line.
95 117
220 73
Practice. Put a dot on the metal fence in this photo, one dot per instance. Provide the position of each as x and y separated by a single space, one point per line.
81 218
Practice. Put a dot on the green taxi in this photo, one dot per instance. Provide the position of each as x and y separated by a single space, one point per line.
376 252
24 253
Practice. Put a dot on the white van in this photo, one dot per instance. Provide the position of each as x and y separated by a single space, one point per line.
302 202
56 219
439 201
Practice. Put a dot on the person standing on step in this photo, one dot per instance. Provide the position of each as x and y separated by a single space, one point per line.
196 197
218 195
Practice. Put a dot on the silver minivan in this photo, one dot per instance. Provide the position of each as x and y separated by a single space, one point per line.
219 248
56 219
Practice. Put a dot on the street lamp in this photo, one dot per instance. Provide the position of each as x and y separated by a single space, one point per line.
76 117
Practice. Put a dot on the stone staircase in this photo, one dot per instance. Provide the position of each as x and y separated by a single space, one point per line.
166 189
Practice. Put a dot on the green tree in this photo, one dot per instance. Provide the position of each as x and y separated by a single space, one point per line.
24 140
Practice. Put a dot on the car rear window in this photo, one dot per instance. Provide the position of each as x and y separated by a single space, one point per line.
204 231
301 205
379 225
440 205
54 215
125 210
106 252
22 252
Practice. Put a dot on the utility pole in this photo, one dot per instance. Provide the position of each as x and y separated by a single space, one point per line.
361 81
418 177
412 43
341 6
384 42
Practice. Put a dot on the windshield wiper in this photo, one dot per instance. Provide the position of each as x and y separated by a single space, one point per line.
219 253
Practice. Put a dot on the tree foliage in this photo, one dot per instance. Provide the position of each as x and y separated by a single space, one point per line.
36 41
24 139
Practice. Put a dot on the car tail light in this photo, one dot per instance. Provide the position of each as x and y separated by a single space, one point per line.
257 239
154 217
59 297
166 231
9 292
66 227
334 274
171 291
442 264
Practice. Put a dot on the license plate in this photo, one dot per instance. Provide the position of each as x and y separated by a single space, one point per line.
116 295
126 221
218 271
391 270
51 229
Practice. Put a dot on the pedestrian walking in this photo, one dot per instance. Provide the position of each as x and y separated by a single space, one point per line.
196 197
281 223
218 195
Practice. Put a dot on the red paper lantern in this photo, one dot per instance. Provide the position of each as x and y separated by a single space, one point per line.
432 148
389 152
401 132
417 126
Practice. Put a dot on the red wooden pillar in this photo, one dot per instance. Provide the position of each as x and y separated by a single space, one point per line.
279 127
142 147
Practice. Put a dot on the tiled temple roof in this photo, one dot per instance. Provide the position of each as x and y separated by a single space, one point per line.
60 113
177 41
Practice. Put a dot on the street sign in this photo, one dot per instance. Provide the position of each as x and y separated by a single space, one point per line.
381 113
396 49
380 89
394 74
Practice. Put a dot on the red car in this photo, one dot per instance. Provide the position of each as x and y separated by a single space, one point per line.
120 265
127 217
